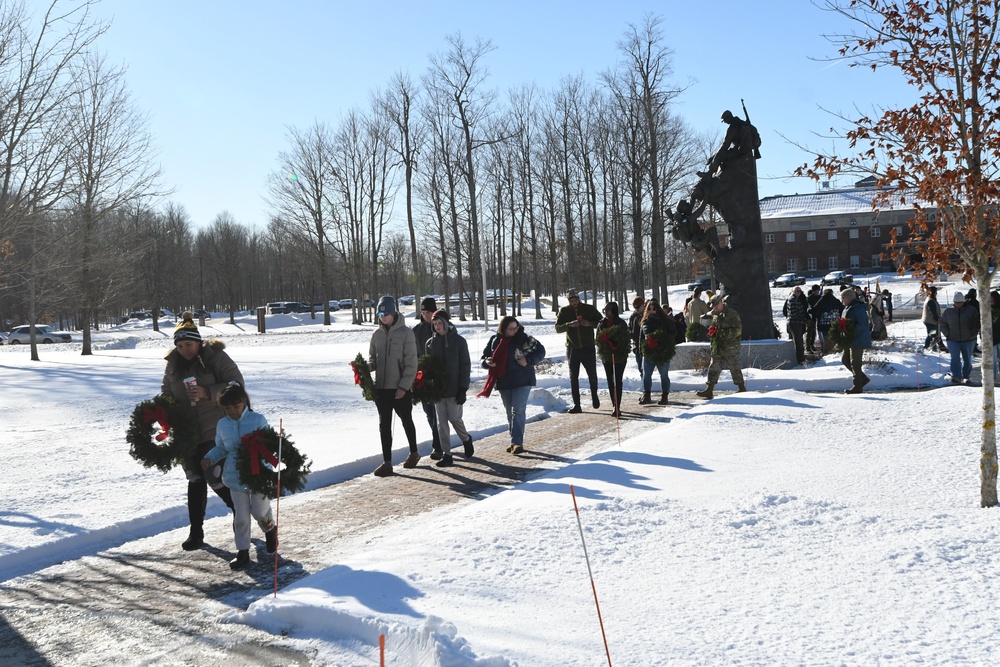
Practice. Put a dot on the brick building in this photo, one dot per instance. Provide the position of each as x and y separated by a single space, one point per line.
830 230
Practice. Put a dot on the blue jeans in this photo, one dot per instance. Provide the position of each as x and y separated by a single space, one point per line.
961 358
514 402
647 375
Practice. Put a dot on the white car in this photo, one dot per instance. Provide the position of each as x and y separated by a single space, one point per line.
43 334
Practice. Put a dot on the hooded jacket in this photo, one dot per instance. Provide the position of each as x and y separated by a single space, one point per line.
454 350
228 437
214 370
392 352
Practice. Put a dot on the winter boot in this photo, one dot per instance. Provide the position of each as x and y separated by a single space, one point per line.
597 401
436 454
195 540
446 461
271 540
516 449
411 460
383 470
663 398
644 399
741 387
706 392
469 449
241 561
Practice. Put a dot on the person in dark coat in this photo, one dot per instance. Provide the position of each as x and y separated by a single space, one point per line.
614 369
815 294
510 357
796 309
578 321
212 370
931 317
634 320
446 344
960 327
654 319
856 311
422 332
826 311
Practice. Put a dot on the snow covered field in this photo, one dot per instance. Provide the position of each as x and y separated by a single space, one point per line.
789 525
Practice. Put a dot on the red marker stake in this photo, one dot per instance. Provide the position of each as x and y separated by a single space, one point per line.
579 525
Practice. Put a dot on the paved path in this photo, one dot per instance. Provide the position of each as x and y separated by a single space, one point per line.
148 602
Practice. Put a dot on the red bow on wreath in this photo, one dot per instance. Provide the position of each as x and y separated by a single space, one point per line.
420 380
158 415
842 325
357 375
257 450
712 330
652 343
605 339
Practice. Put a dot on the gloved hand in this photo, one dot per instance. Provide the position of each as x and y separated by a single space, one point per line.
460 396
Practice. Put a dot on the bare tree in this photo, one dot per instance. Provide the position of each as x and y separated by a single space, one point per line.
225 245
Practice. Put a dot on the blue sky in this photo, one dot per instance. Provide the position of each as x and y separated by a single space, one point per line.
222 79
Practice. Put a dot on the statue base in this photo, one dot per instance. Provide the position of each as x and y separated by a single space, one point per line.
764 354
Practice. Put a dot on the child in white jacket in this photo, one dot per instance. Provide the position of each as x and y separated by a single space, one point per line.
239 421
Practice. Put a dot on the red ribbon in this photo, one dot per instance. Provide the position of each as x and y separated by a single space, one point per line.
712 330
357 375
652 343
258 450
158 415
842 325
605 339
420 380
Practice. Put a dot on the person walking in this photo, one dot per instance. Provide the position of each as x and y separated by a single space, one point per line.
725 334
392 354
960 327
887 304
614 355
452 349
578 320
196 373
796 309
995 316
815 294
240 420
510 356
634 320
856 314
422 332
826 311
694 310
655 320
931 317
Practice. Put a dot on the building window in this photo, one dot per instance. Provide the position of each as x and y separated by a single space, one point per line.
899 231
789 237
831 262
853 233
876 232
810 236
876 260
855 262
771 266
768 238
831 234
791 265
811 264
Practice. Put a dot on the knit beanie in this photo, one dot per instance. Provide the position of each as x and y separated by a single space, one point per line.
428 304
441 314
186 330
386 306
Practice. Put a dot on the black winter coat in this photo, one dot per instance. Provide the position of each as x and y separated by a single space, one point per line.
517 375
454 349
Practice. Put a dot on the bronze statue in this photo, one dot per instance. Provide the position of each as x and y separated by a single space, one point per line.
741 139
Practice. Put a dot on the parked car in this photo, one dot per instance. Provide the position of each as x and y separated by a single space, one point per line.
334 306
139 315
43 334
407 300
704 284
788 280
201 312
284 307
3 338
346 304
837 278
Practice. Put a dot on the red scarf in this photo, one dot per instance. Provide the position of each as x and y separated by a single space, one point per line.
499 367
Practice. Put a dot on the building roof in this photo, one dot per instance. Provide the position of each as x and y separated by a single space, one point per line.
827 202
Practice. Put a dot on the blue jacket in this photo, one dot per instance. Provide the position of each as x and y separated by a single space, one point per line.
858 312
517 375
228 435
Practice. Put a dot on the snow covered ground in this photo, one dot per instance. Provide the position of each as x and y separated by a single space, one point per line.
788 525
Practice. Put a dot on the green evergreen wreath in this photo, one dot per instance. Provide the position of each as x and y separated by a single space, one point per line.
693 332
658 347
431 381
257 459
841 333
162 432
363 377
614 343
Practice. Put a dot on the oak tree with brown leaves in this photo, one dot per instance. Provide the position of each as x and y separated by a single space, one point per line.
940 155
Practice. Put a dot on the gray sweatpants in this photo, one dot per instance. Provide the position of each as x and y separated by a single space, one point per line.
246 505
450 412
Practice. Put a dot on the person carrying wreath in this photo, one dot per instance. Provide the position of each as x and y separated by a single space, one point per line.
725 334
614 346
240 420
638 307
422 332
392 354
510 357
447 345
856 319
212 370
660 327
577 321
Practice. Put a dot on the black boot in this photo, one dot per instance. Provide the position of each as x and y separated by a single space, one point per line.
663 398
197 496
195 540
271 540
241 561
